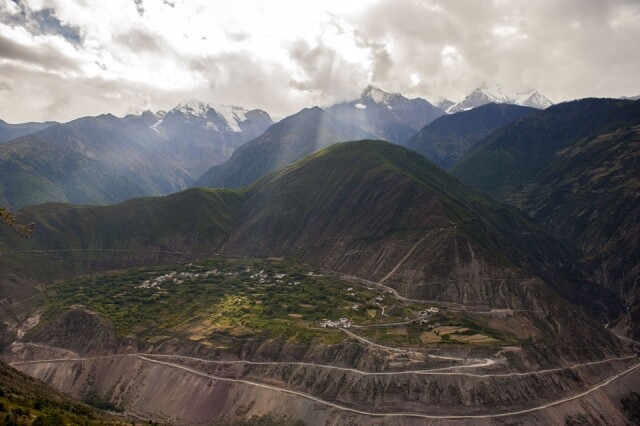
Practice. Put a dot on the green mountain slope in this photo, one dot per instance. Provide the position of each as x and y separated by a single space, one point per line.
574 169
448 138
283 143
360 208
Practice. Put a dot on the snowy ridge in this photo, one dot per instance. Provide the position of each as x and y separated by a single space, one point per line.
231 114
485 94
377 95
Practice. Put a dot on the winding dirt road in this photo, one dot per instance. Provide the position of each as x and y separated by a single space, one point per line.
149 358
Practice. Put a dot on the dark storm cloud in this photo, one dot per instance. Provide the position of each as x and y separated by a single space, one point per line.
41 22
48 23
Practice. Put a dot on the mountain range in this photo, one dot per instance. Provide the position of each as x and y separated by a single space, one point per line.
105 159
486 94
387 116
573 169
287 141
356 208
198 135
12 131
493 288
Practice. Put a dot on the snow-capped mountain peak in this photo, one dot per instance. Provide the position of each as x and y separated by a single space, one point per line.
231 114
193 107
534 99
487 94
377 95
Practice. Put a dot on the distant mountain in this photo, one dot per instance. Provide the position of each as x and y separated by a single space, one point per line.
199 135
485 95
449 137
12 131
105 159
445 104
287 141
387 116
91 160
631 98
574 169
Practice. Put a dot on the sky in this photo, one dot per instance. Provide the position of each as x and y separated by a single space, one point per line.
63 59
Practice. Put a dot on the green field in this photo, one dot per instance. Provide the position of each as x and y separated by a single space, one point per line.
220 300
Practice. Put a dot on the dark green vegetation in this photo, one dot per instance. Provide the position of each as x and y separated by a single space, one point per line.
285 142
574 169
27 401
448 138
260 421
218 301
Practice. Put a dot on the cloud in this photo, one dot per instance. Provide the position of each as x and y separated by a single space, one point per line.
323 71
61 62
48 23
39 22
138 40
139 6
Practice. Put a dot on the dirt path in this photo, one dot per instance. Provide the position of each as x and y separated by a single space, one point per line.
386 277
482 362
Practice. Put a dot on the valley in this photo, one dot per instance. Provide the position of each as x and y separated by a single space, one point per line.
276 329
360 284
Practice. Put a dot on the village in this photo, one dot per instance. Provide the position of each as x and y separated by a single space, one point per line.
421 316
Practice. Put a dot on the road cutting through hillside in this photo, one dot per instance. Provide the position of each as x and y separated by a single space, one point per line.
355 410
395 268
396 414
435 372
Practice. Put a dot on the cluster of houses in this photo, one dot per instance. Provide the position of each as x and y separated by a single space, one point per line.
341 323
263 278
428 311
176 277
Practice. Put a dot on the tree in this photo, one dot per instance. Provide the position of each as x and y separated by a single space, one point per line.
8 218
